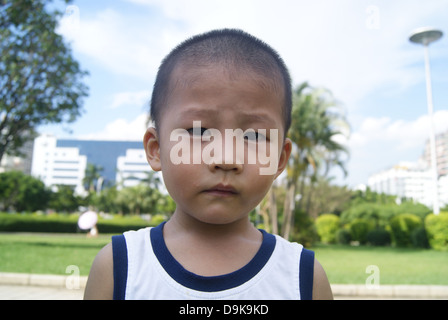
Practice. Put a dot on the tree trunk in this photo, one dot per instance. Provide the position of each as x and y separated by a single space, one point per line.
273 210
264 213
287 214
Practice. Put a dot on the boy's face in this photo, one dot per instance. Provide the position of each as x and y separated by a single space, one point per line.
218 176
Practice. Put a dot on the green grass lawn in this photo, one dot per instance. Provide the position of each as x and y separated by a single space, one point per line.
48 253
52 253
345 264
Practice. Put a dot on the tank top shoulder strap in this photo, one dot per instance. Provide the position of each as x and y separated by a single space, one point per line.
306 275
120 260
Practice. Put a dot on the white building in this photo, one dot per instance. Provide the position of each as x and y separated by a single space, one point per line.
58 166
441 140
132 168
411 181
443 190
64 162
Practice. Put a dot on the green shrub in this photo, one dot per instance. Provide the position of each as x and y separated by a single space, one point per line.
419 238
64 223
343 236
437 231
402 227
38 223
359 229
121 224
327 225
304 231
157 219
378 237
378 214
381 213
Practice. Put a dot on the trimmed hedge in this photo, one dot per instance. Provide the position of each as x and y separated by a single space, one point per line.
378 237
437 230
359 228
402 227
343 236
327 226
56 223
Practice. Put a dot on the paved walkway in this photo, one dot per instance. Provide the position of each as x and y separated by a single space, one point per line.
18 286
18 292
24 286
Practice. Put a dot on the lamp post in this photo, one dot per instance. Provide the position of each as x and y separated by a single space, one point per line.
426 36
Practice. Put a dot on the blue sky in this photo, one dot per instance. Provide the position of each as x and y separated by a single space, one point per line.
357 49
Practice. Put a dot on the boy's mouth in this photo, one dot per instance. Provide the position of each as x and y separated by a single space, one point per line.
222 190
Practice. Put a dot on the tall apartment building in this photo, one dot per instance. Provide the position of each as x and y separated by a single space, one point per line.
411 181
64 162
441 153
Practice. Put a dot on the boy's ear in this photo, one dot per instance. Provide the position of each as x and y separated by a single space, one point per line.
152 149
284 156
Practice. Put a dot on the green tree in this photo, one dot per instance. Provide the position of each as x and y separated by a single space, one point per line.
91 176
134 199
106 200
21 192
40 82
152 180
317 119
325 197
64 199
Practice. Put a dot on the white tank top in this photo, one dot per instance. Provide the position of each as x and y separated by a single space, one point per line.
145 269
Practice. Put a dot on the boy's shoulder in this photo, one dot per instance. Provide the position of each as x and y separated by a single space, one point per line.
100 281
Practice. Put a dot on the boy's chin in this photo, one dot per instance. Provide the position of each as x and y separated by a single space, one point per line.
219 219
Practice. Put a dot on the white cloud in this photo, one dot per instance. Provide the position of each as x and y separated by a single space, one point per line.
380 143
336 44
116 42
121 129
404 134
342 45
133 98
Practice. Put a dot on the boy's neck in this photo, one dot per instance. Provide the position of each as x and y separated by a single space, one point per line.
179 223
211 250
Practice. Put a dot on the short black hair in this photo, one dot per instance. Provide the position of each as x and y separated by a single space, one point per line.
232 48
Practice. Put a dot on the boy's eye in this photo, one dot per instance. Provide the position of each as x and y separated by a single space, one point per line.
197 131
254 136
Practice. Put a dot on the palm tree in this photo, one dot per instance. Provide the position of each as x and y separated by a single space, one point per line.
317 119
91 175
152 180
136 199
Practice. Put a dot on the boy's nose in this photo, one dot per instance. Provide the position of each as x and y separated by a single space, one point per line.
226 166
229 159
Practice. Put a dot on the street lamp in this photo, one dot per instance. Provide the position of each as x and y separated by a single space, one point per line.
426 36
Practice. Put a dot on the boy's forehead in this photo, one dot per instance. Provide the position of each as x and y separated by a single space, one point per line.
192 82
215 93
196 78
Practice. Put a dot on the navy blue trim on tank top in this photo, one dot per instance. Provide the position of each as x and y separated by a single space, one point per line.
120 259
213 283
306 275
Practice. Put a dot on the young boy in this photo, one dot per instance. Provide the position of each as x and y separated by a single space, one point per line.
221 106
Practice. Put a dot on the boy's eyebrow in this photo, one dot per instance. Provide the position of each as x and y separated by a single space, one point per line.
256 118
245 117
197 112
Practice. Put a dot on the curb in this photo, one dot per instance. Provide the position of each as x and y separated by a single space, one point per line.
391 291
43 280
339 290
